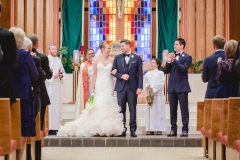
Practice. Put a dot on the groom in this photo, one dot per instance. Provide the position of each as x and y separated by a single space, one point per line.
129 83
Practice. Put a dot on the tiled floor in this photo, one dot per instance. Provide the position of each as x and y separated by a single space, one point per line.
122 153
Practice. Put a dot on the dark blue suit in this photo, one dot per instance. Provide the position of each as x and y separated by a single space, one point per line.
126 90
178 88
209 72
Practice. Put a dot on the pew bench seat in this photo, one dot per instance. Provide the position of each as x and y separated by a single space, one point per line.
219 136
237 145
209 133
1 151
13 145
202 131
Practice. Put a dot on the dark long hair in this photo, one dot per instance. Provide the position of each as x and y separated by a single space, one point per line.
158 62
236 56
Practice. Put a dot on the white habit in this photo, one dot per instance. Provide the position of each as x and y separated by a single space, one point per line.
54 91
155 115
79 105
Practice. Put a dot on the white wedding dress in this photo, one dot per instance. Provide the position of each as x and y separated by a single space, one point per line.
105 117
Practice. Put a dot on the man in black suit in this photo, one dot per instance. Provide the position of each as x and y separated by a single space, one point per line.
9 61
178 87
43 91
210 66
45 66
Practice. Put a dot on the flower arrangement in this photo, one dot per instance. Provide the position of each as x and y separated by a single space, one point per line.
90 104
66 59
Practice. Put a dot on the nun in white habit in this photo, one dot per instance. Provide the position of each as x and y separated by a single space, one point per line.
155 115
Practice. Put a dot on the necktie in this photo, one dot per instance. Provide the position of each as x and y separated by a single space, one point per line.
126 55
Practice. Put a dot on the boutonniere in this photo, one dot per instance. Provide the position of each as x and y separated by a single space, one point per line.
132 56
183 55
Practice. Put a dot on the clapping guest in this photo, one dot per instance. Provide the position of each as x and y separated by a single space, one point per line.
236 63
21 76
226 76
154 83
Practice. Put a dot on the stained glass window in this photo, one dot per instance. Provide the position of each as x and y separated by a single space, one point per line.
137 25
102 22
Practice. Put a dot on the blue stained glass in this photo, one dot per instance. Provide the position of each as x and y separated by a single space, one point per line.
139 17
149 18
91 31
142 10
145 10
100 30
101 18
139 30
142 44
148 30
100 37
104 24
94 44
149 4
98 11
148 11
94 31
91 4
135 24
135 37
138 44
94 4
94 37
142 37
94 10
146 43
145 4
104 37
142 24
145 30
139 38
91 44
135 50
146 37
91 10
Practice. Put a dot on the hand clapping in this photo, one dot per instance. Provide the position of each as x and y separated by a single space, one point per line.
219 59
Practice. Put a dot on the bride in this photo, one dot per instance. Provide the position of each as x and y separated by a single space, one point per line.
105 117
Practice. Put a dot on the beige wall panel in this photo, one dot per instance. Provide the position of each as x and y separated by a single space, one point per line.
56 24
19 13
200 29
39 23
210 25
191 28
180 32
29 16
86 32
6 14
48 24
220 17
234 19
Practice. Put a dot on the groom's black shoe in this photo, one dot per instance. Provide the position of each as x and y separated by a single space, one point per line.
172 134
133 134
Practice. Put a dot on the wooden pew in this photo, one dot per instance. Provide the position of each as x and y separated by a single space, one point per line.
207 124
232 128
200 124
8 145
46 125
217 105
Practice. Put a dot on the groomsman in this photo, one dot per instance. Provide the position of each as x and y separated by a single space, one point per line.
54 90
210 66
178 87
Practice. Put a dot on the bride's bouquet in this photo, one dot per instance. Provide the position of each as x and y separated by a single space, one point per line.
90 104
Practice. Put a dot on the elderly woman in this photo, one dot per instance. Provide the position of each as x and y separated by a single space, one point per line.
84 82
226 75
21 76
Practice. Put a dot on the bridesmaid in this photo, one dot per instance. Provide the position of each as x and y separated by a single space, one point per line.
226 75
155 115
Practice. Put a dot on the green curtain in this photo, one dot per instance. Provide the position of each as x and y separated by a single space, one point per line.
72 35
167 16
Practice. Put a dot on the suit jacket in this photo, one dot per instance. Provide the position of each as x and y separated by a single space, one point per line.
36 84
45 66
209 72
135 72
10 60
178 70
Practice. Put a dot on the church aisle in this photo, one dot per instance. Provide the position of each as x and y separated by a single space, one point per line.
122 153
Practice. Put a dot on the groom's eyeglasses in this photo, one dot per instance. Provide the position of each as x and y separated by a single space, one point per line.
90 53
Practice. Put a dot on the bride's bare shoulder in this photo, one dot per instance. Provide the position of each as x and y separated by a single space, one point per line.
111 59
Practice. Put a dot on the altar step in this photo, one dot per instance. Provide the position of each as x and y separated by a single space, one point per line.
68 115
140 141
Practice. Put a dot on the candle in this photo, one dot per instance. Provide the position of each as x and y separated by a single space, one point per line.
82 49
76 56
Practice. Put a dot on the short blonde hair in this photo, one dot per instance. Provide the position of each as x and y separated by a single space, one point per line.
27 45
219 42
19 35
230 48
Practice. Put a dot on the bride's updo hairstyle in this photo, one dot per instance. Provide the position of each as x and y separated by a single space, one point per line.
103 45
